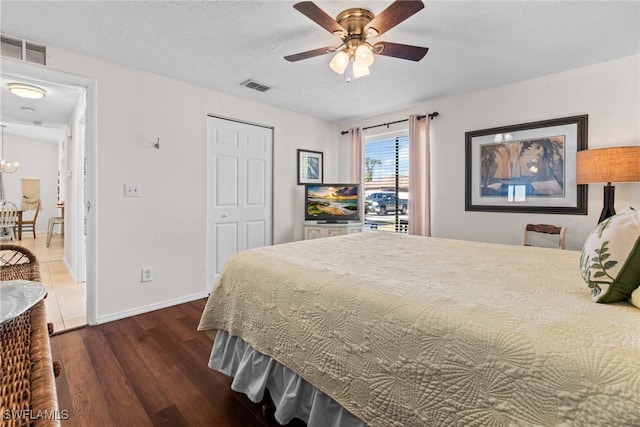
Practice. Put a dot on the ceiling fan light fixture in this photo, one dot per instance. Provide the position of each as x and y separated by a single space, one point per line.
359 70
339 62
26 91
364 55
372 32
353 26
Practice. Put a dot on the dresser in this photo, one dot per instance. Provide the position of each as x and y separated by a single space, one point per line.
314 230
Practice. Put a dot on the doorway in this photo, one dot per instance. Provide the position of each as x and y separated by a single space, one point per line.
76 179
239 190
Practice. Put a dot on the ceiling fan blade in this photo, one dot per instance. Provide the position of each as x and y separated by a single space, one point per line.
319 16
402 51
397 12
310 54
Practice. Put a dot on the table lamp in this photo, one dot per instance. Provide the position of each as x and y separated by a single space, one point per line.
613 164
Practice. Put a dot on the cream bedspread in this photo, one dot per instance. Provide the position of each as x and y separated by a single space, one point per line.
411 331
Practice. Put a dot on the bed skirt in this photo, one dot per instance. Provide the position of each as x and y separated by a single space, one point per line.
293 397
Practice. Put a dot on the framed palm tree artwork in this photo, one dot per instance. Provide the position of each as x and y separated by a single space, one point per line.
528 167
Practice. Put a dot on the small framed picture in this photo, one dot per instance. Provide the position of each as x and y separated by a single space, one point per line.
310 167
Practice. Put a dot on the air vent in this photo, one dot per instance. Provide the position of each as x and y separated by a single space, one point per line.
23 50
252 84
11 48
35 53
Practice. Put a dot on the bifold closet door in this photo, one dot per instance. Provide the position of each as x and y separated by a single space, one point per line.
239 190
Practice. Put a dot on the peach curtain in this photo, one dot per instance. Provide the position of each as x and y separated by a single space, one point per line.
419 177
357 152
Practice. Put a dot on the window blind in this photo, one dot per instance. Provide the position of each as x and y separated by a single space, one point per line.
386 182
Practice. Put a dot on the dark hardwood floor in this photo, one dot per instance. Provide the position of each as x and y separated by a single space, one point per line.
148 370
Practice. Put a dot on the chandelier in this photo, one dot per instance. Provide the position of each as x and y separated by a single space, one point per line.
5 165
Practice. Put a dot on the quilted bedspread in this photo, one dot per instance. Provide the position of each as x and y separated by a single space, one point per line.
412 331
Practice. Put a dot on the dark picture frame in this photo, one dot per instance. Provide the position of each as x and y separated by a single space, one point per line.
310 167
526 168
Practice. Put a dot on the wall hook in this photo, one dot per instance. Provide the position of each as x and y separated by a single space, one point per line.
157 144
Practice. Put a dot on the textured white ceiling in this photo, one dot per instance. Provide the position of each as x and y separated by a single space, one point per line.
474 45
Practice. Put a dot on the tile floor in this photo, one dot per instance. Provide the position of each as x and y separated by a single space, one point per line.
65 302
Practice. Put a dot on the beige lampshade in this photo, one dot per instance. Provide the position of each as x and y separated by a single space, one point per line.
614 164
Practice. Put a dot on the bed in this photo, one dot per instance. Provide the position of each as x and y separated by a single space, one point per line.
399 330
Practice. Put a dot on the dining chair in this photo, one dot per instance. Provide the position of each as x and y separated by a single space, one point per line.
546 229
52 222
31 223
8 218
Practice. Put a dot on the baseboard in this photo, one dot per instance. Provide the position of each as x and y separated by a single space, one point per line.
72 272
151 307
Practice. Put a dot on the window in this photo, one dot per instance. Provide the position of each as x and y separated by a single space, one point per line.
386 182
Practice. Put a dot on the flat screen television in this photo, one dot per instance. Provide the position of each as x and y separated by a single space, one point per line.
332 202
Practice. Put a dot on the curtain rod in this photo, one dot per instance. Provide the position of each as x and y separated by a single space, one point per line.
431 116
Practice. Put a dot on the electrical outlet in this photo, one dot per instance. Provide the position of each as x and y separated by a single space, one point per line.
132 190
147 274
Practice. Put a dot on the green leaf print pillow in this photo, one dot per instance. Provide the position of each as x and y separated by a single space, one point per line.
610 260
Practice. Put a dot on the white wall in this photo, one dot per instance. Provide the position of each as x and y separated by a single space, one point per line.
38 159
165 227
608 92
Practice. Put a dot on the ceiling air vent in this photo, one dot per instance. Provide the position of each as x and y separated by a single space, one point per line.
252 84
12 47
35 53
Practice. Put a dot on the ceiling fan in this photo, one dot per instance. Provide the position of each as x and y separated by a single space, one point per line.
354 27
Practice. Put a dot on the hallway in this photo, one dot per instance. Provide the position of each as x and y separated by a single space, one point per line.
66 301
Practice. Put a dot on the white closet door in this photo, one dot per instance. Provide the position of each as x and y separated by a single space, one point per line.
239 190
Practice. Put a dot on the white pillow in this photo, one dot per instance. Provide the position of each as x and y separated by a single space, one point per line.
610 261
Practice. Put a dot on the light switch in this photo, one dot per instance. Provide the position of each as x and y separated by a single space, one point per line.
132 190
